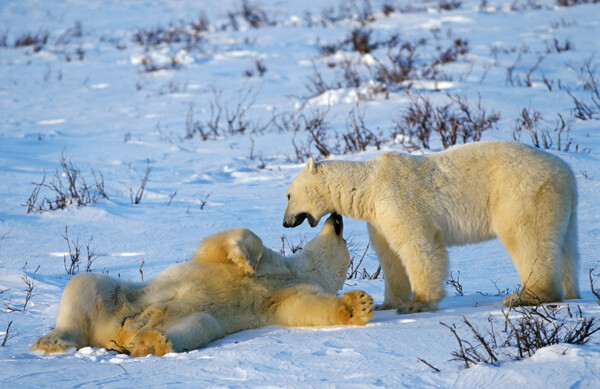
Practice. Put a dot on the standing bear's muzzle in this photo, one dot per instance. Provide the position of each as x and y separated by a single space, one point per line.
296 220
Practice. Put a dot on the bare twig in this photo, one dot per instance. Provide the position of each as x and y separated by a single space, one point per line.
429 364
91 256
359 137
461 355
32 202
455 283
141 272
454 122
293 247
481 340
100 185
203 202
74 254
377 272
595 291
353 271
528 81
535 327
316 126
140 192
6 334
29 290
73 190
171 197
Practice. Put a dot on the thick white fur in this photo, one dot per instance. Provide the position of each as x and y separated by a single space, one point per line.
233 283
416 206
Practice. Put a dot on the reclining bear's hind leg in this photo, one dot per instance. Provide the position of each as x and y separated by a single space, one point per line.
187 333
56 341
194 331
397 285
90 313
307 305
74 310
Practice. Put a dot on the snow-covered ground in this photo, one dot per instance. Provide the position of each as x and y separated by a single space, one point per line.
86 94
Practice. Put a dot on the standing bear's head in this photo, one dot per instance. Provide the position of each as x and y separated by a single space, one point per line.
304 200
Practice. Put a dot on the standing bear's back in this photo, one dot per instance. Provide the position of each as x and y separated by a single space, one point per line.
466 190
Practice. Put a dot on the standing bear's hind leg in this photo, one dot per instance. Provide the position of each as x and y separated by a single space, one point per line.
534 241
570 261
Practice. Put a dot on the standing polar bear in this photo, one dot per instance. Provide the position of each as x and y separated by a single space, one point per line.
233 283
416 206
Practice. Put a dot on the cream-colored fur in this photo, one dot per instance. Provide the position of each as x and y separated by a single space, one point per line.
416 206
232 284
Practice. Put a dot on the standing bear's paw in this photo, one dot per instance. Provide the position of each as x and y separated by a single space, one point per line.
416 307
527 297
151 341
357 308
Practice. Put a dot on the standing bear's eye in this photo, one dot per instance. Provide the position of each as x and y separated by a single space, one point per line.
289 196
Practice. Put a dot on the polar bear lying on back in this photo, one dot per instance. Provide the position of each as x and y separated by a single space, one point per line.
233 283
416 206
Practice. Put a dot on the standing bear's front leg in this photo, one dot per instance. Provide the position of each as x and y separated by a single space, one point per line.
425 260
397 285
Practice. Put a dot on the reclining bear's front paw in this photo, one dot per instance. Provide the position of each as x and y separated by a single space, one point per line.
151 341
357 308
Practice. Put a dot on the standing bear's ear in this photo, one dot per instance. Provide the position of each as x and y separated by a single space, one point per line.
311 166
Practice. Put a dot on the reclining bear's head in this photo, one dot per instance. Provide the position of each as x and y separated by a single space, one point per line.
327 255
303 199
331 236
